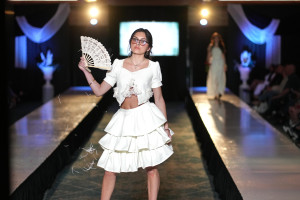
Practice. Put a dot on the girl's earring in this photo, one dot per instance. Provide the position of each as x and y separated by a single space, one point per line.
129 52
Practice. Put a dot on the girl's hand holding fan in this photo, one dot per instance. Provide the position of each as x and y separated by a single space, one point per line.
94 55
83 65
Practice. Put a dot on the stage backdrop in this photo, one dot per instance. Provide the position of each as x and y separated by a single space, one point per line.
29 79
173 67
179 72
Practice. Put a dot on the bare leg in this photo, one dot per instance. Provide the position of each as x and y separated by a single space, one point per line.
153 183
108 185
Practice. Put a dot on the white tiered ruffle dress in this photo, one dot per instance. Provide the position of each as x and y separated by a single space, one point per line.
135 138
216 78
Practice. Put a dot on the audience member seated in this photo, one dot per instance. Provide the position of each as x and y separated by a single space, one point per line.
258 85
274 82
279 104
275 87
292 127
257 73
278 77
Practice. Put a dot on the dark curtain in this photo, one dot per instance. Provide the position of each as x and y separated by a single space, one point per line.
173 67
99 33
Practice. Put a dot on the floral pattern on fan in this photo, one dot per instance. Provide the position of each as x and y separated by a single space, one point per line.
95 53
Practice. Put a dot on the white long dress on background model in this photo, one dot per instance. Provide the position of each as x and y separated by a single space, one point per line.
216 78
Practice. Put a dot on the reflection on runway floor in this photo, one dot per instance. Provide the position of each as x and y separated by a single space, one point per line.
263 163
183 176
36 136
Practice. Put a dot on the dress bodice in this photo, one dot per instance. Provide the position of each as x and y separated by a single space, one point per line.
216 53
139 83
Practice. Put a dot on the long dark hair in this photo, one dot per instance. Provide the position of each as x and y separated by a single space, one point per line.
148 38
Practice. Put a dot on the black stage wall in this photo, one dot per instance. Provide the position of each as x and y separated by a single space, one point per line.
187 69
173 67
29 81
5 182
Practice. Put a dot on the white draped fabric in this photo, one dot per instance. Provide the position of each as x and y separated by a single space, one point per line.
258 35
39 35
21 52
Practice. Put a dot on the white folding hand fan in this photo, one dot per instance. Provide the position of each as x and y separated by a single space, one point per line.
95 54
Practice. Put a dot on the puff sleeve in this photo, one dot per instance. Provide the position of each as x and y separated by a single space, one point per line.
157 77
111 76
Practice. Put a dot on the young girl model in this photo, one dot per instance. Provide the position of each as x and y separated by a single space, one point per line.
216 78
138 134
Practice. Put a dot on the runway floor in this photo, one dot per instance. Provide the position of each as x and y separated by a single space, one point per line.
263 163
258 161
183 175
37 139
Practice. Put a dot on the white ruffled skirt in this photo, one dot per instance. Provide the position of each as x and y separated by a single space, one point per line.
135 138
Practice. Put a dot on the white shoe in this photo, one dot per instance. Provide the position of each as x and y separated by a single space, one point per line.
291 123
291 133
286 129
255 108
263 107
294 135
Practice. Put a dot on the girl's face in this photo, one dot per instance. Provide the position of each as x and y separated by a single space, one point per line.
216 39
139 43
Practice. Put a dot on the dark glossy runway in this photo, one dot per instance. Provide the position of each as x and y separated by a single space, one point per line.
54 151
263 163
51 146
183 176
37 141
